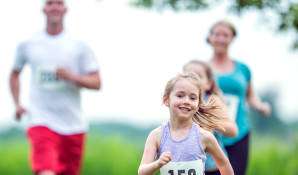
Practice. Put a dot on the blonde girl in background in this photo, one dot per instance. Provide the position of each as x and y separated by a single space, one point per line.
211 91
179 146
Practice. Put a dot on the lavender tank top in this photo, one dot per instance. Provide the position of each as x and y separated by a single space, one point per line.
188 155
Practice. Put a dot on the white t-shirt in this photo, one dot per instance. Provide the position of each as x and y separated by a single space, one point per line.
55 103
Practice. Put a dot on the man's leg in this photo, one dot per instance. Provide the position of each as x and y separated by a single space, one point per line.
43 153
71 153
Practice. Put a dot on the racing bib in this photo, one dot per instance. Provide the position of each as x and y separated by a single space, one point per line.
47 79
232 103
195 167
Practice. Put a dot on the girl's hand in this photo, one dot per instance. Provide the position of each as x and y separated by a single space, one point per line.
164 158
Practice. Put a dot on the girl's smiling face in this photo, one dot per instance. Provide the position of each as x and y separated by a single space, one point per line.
183 101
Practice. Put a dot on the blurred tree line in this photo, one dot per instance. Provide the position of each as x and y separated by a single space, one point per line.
272 126
285 10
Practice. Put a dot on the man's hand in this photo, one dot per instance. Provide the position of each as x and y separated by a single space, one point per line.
19 112
63 74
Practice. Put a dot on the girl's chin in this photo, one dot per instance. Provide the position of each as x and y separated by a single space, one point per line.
185 117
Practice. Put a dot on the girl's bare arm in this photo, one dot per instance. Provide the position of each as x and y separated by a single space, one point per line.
148 164
211 146
229 125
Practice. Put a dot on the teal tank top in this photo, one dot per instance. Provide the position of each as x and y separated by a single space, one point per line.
234 86
210 163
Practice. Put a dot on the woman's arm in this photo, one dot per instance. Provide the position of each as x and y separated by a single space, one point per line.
148 164
255 102
218 155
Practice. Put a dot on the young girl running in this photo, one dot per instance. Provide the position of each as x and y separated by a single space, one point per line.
211 91
178 147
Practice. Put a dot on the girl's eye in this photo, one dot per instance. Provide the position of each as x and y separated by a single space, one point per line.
179 95
193 98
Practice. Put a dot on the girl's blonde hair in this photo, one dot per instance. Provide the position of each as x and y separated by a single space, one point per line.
206 116
214 90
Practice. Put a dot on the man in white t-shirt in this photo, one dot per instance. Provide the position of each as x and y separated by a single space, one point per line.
61 65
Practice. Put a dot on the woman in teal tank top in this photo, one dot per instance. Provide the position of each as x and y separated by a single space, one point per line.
234 79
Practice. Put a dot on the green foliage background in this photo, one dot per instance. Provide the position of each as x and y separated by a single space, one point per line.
285 10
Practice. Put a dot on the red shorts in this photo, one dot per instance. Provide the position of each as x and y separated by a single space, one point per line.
52 151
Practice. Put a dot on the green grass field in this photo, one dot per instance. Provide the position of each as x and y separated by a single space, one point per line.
273 157
116 156
107 157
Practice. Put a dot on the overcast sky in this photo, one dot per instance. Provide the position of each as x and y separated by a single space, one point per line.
139 50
